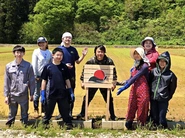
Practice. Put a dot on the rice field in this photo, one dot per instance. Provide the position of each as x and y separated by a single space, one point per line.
123 62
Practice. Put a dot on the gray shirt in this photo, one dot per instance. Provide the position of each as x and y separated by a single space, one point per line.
18 78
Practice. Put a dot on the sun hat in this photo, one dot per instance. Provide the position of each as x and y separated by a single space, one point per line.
141 52
67 34
148 38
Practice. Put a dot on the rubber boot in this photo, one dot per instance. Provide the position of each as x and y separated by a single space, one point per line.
128 125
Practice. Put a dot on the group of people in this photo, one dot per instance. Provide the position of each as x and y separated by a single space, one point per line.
152 83
51 77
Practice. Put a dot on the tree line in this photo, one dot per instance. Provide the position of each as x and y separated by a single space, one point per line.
111 22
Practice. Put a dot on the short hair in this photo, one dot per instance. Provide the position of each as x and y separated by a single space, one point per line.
57 50
18 48
101 47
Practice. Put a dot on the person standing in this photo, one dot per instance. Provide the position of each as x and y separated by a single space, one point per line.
150 51
40 57
100 58
139 93
71 57
149 46
56 87
163 83
19 77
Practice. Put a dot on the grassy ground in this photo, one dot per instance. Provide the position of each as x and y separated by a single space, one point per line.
123 62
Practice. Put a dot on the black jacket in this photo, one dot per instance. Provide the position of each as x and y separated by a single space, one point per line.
106 61
162 83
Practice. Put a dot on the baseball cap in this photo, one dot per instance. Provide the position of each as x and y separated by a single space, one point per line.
41 39
19 48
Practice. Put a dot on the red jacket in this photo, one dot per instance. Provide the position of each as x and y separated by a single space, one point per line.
152 55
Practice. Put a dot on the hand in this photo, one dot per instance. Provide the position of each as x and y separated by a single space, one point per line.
113 87
85 50
7 100
31 98
82 86
69 65
121 83
72 95
121 89
43 96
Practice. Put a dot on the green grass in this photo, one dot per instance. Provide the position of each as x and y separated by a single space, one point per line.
56 131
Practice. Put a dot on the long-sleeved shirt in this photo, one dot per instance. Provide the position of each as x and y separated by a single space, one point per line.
40 58
106 61
142 71
18 78
152 55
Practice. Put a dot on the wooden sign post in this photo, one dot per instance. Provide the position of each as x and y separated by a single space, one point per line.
98 76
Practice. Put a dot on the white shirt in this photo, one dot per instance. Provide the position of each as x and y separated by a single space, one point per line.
40 58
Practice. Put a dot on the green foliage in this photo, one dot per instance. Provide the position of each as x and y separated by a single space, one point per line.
86 33
13 14
51 19
93 21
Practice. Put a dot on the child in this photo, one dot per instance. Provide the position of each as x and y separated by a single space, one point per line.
19 77
163 85
150 51
152 55
139 93
56 76
40 57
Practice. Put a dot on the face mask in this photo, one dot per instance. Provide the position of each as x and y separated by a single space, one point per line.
136 63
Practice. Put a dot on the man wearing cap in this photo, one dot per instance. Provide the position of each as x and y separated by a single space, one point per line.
99 59
40 57
71 57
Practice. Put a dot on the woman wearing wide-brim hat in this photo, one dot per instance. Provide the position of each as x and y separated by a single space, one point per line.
139 92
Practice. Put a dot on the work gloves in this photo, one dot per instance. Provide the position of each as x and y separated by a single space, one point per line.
121 89
72 96
43 96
